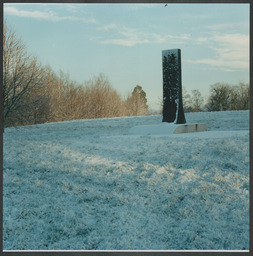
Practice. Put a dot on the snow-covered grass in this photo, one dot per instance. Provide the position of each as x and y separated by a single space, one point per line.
91 185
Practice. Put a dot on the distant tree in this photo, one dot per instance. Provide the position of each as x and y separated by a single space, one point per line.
197 101
219 99
136 103
54 89
70 102
240 97
227 97
187 100
100 99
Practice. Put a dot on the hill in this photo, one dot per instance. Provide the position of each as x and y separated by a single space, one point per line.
91 185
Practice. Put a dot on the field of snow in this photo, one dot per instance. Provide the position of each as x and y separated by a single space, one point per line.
94 185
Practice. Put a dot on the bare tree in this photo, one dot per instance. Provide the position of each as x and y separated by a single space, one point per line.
219 99
100 99
197 101
187 100
240 97
227 97
22 76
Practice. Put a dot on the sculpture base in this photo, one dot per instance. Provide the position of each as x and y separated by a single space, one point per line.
185 128
166 128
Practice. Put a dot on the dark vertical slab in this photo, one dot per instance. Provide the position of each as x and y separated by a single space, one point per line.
172 87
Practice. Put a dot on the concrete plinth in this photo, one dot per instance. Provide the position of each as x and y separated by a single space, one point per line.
166 129
185 128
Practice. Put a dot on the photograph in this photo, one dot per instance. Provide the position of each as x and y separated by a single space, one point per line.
126 127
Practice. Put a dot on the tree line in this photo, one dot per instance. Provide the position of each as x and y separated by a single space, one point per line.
222 97
33 93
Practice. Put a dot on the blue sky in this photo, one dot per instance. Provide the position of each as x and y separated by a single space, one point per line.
125 42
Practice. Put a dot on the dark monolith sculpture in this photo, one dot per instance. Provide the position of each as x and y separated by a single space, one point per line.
172 87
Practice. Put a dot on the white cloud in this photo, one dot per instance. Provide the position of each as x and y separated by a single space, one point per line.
108 27
124 42
231 51
200 40
228 26
223 63
125 36
50 15
233 46
72 7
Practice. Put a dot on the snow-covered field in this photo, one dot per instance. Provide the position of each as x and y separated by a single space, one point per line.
94 185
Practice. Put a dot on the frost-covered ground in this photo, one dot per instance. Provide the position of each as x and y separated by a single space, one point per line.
91 185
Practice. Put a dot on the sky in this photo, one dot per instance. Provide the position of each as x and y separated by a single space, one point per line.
125 42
